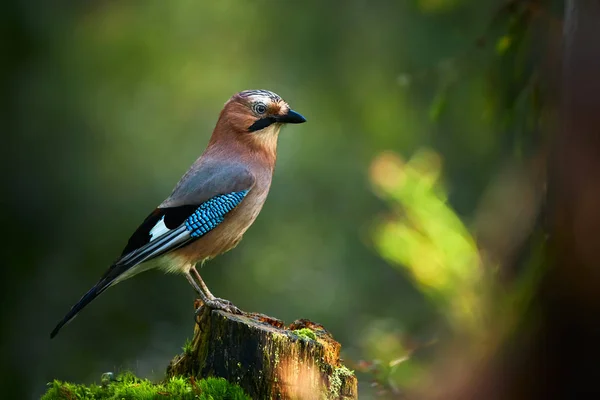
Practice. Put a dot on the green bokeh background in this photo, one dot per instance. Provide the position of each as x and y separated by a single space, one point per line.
109 102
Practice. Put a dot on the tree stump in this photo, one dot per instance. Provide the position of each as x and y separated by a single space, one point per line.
267 359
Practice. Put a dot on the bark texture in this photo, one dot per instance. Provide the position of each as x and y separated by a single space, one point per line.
267 359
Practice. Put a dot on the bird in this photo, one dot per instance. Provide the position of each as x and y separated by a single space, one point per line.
212 205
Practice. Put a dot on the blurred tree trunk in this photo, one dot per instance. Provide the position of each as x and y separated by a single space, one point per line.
568 348
555 351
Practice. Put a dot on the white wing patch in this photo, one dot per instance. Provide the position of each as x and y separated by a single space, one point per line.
159 229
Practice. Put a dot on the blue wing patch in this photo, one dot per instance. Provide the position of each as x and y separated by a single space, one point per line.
212 212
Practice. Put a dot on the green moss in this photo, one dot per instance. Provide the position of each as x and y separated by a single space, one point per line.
336 380
305 333
128 387
187 347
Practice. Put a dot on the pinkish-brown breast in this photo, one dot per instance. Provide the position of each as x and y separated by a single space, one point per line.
229 233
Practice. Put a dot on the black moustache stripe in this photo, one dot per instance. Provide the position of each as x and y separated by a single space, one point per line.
261 124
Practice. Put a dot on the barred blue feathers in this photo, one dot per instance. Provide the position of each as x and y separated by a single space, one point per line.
212 212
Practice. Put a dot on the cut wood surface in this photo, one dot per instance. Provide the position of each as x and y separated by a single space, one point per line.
266 358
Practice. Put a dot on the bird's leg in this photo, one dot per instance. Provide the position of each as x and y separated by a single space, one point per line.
207 297
192 282
206 290
202 284
203 296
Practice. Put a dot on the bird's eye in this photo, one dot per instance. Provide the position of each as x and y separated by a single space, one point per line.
260 108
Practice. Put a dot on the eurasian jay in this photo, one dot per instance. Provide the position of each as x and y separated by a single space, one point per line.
213 204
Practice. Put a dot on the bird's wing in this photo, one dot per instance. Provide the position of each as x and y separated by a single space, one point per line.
199 203
200 184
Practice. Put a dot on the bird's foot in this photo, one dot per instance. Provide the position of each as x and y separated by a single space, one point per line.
220 304
223 301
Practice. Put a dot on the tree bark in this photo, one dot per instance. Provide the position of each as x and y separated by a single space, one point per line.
267 359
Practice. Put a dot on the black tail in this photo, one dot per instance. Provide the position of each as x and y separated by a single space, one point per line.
123 268
84 301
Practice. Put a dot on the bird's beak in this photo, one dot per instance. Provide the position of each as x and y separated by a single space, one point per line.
292 117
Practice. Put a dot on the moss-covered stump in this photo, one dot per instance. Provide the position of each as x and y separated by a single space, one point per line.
265 358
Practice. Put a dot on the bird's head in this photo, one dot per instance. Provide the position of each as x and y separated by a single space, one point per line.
256 116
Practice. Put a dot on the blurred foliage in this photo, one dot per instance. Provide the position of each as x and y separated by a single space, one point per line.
428 239
413 108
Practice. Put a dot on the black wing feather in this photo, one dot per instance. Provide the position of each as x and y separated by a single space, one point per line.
141 236
174 216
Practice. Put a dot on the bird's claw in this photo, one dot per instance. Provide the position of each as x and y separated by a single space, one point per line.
220 304
224 305
223 301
